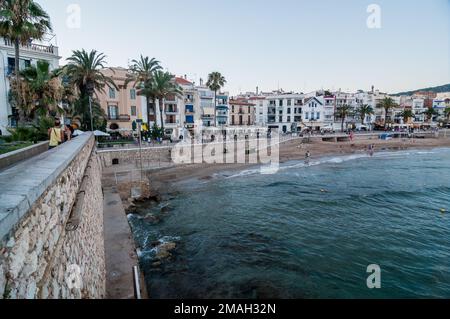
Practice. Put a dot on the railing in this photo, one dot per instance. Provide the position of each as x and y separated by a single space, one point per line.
120 118
34 47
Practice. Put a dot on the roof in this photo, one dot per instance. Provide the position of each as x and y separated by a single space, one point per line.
182 81
240 102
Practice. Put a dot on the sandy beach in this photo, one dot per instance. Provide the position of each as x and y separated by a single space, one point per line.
164 181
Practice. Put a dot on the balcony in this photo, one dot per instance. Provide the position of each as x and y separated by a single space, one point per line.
34 47
171 110
120 118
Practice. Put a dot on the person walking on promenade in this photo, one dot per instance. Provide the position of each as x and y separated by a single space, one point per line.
55 134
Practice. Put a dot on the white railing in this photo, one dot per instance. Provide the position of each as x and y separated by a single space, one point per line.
34 47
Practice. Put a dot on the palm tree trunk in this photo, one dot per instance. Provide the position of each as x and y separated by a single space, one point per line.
385 117
16 73
342 124
161 105
215 108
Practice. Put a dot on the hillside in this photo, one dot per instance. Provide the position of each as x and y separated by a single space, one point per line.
437 89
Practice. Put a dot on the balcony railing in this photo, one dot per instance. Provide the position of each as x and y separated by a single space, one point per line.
120 118
34 47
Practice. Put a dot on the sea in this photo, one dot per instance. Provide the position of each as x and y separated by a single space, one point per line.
312 230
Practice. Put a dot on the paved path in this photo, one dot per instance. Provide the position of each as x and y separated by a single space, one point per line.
119 248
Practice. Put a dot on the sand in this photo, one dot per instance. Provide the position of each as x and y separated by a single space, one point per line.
164 181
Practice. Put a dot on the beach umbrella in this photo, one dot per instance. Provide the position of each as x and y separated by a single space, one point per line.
101 134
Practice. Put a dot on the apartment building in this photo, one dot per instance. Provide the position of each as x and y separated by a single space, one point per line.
242 113
29 55
122 105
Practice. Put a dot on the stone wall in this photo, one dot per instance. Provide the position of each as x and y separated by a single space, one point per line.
132 156
39 256
12 158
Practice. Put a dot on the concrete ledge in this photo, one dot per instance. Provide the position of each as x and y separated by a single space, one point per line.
12 158
23 184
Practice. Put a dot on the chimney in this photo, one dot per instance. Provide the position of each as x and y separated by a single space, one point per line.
201 82
373 89
257 91
185 77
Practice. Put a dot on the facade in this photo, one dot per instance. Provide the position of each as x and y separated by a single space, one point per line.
242 113
122 106
29 55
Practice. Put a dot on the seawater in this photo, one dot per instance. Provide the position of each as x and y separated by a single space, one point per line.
309 231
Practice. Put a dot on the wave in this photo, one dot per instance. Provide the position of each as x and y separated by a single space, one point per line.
337 160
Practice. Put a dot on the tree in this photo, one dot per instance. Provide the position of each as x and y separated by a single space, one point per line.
20 22
406 115
363 111
41 90
216 81
447 113
163 85
430 113
342 112
141 73
387 104
85 75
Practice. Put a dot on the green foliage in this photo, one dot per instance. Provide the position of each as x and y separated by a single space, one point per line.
156 132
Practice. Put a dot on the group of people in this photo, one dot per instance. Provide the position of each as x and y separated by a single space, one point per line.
59 134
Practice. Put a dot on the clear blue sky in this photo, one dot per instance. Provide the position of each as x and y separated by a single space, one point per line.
293 44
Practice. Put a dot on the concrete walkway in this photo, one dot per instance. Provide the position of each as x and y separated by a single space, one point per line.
119 248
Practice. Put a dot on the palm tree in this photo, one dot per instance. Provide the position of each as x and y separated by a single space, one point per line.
140 73
43 90
406 115
447 113
430 113
21 21
363 111
216 81
387 104
161 86
85 74
342 112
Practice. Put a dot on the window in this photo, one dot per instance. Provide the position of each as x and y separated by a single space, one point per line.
289 102
133 111
281 102
288 118
113 112
112 93
133 94
190 119
289 110
280 119
318 115
307 116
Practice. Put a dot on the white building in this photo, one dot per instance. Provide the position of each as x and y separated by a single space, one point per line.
29 55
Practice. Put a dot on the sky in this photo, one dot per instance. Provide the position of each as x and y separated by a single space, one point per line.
295 45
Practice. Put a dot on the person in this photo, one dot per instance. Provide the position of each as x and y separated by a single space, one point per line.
307 157
68 132
55 134
351 136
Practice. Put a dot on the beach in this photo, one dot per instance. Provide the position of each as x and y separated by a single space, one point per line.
164 180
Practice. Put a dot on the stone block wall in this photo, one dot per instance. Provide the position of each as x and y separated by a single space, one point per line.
132 156
39 258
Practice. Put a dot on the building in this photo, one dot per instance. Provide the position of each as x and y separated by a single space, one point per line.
242 113
29 55
122 106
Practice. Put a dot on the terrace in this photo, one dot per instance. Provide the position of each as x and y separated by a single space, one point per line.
32 47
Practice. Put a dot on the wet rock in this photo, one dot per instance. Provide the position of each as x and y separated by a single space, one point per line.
156 264
163 254
163 250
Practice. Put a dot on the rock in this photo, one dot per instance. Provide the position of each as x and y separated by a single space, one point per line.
168 246
156 264
163 254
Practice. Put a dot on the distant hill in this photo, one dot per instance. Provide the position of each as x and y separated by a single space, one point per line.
437 89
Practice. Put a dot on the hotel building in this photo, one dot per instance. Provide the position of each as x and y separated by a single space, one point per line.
122 106
29 55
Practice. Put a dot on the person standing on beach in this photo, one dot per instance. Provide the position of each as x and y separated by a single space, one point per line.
55 134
